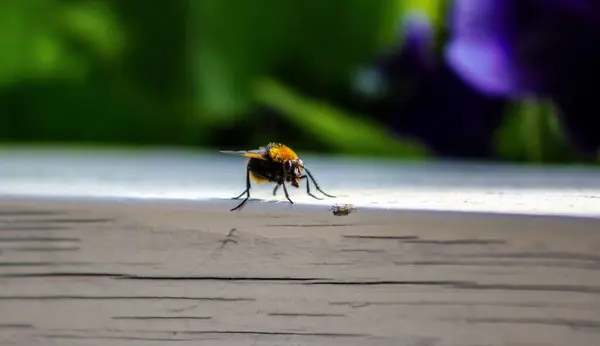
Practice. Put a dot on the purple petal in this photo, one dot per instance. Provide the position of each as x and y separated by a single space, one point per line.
480 50
517 48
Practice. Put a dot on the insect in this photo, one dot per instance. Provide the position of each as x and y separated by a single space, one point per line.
274 163
342 210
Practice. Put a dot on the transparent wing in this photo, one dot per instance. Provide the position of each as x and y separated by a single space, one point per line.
256 154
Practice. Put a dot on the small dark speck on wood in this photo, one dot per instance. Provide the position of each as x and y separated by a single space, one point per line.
343 210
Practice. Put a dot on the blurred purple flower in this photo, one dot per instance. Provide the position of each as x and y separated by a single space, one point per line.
479 49
427 101
509 47
521 48
498 50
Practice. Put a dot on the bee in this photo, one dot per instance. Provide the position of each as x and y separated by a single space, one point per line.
342 210
275 163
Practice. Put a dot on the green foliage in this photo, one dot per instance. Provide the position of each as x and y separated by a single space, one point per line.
343 132
237 41
36 37
532 133
190 72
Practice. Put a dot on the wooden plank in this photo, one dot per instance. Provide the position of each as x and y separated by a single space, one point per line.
92 273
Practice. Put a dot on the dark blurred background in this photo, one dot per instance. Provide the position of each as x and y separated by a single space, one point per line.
348 77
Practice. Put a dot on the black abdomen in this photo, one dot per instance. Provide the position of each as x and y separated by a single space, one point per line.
266 169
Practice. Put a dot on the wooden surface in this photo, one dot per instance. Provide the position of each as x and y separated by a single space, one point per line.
195 274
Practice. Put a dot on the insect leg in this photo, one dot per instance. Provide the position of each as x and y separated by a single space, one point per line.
247 191
238 197
275 189
316 185
308 188
286 193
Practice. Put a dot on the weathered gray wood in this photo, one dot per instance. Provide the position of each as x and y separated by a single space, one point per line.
190 274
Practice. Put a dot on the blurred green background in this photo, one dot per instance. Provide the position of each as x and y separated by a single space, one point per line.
215 73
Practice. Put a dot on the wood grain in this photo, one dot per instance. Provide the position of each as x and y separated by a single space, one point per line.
127 273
